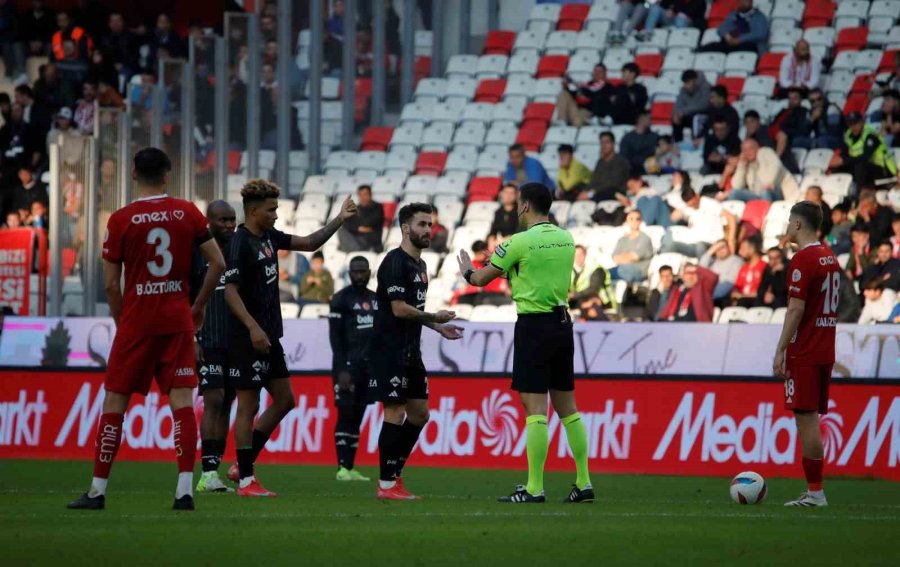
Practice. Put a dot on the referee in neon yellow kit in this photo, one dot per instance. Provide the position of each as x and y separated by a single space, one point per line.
538 263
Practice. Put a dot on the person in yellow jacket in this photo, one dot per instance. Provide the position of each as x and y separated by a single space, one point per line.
591 290
865 154
573 177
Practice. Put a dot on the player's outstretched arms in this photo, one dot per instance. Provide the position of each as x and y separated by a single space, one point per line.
439 322
213 256
317 239
791 322
258 337
478 278
112 282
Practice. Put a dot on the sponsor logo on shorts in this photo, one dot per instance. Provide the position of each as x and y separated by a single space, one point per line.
204 382
256 378
260 366
159 288
204 371
214 369
186 371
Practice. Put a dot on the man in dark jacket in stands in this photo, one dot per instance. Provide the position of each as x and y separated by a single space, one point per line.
630 98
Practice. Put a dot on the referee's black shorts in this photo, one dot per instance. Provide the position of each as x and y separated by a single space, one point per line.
544 353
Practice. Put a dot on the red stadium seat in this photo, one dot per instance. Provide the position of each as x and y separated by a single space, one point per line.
552 66
531 135
68 261
719 11
889 61
541 112
818 14
862 84
755 213
661 113
490 90
431 163
856 102
650 64
572 17
851 39
484 189
499 42
390 209
234 161
734 86
769 64
376 139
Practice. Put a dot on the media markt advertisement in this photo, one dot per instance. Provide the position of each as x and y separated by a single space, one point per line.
655 426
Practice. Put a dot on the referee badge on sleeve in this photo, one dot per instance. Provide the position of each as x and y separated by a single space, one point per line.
501 251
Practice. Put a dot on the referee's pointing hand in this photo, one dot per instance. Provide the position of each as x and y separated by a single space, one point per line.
348 209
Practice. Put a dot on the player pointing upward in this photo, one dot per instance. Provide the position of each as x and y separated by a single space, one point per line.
804 356
154 239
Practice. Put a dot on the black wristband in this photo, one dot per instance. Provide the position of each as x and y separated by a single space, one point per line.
468 276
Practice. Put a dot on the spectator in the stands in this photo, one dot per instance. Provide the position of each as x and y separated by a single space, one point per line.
724 263
72 153
639 144
630 97
36 114
750 276
591 289
13 220
573 177
773 287
879 305
721 149
861 255
839 235
692 102
792 122
640 197
495 293
799 70
633 252
745 29
826 129
37 27
889 116
91 15
579 102
21 145
691 301
506 217
815 195
362 233
317 285
721 109
894 317
28 190
118 44
521 169
10 49
66 30
630 15
84 111
659 296
753 130
38 216
674 13
864 154
50 90
665 159
761 175
72 71
884 268
335 23
611 172
895 236
877 218
704 216
439 233
164 37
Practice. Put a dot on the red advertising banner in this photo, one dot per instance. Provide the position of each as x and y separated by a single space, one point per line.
16 248
715 428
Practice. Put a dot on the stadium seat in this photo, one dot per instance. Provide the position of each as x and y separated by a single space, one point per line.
818 13
759 315
490 90
560 43
510 109
437 136
461 88
407 134
431 163
678 60
370 160
529 40
315 311
719 11
484 189
741 63
501 133
376 138
493 159
551 66
531 136
856 102
888 61
539 112
819 36
448 111
491 66
400 158
710 62
388 187
755 213
684 37
651 64
778 316
851 39
470 134
416 111
546 90
661 112
862 84
557 135
572 16
499 42
734 86
769 64
462 65
733 314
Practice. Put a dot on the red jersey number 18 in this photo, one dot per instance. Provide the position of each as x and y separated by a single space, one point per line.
830 287
162 265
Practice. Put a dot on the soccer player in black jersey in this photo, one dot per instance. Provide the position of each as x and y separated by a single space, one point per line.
399 380
255 356
351 327
212 356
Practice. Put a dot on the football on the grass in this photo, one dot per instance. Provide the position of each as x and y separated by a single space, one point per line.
748 488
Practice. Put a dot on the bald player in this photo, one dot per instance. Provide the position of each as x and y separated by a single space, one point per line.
211 346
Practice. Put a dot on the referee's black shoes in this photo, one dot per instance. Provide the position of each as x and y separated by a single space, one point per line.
579 496
521 496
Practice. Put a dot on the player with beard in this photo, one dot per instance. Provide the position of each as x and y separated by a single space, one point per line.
212 356
255 355
351 326
399 381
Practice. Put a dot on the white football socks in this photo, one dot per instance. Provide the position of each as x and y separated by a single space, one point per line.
98 487
184 486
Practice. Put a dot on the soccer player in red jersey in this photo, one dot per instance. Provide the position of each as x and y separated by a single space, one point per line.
153 238
804 356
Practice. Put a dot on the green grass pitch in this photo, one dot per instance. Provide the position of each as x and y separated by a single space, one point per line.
637 520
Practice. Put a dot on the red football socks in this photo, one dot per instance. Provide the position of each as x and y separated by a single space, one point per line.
812 469
109 435
185 434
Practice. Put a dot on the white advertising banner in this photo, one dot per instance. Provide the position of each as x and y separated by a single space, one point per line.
600 348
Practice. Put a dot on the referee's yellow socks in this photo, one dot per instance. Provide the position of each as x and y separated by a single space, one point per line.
578 442
536 441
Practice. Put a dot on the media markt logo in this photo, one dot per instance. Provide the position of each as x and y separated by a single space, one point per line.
498 423
832 425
